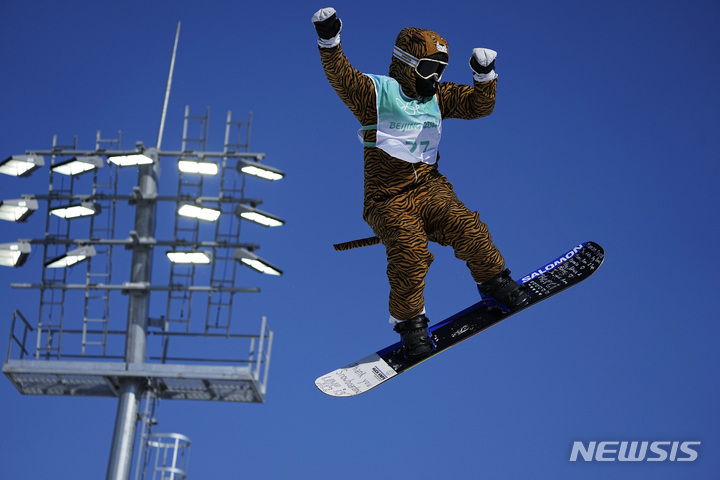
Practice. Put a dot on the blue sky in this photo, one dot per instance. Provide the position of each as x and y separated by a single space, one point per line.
605 129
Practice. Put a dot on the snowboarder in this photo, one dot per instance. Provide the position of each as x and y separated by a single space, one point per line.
407 202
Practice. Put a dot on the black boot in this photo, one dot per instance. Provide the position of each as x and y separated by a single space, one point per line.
505 290
416 339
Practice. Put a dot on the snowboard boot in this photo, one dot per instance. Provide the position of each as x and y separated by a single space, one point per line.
505 290
417 341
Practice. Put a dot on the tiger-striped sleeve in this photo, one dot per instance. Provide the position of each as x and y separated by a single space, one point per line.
355 89
465 101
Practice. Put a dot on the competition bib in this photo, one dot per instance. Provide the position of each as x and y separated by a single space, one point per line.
407 129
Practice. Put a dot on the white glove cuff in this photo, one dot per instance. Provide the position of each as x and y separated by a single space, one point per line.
484 77
330 42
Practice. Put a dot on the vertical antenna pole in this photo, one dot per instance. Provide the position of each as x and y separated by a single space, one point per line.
167 89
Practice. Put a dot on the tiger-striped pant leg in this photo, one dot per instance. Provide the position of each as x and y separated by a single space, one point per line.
451 223
402 232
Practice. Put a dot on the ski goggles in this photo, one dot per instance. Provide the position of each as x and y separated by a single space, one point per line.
426 68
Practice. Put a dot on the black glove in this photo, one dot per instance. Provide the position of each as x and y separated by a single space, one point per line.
326 23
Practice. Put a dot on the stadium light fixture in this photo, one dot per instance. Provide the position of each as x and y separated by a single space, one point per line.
17 210
197 167
196 257
262 171
199 213
78 165
14 254
72 257
21 165
130 160
258 216
256 263
83 209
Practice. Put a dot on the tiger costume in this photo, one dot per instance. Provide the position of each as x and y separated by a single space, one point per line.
407 201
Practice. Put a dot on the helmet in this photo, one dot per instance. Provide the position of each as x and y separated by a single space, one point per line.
419 59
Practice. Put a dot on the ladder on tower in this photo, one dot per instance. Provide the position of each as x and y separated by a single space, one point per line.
96 313
190 188
227 228
57 236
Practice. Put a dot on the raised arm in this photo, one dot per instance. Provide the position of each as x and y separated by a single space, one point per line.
470 102
354 89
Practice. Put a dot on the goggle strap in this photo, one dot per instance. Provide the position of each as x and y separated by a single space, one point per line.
405 57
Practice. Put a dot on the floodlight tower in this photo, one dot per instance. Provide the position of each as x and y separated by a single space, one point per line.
42 358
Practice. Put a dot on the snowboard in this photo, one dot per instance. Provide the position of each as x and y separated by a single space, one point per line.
567 270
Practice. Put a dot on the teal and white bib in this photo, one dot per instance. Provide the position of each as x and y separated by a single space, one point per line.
407 129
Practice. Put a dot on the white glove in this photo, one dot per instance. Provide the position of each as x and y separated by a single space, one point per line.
328 27
482 63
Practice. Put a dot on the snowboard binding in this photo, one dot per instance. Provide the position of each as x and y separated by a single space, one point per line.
505 290
416 339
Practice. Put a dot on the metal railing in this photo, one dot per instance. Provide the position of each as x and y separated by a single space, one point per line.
14 338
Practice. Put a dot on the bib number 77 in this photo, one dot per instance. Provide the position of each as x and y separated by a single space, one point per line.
426 144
